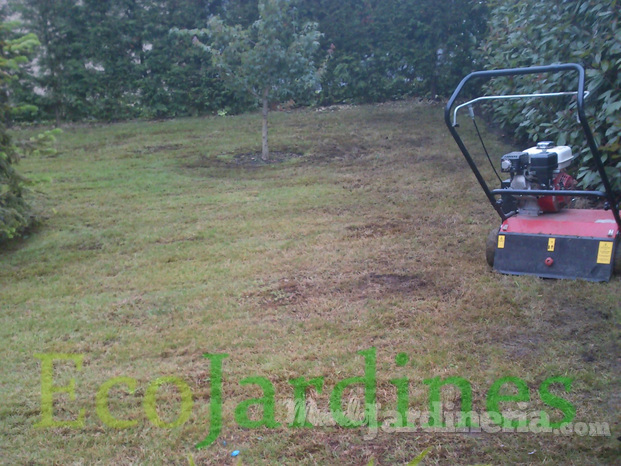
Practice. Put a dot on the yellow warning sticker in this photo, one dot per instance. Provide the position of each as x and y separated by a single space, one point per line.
551 244
604 253
501 241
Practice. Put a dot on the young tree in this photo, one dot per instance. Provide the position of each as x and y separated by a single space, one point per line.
271 59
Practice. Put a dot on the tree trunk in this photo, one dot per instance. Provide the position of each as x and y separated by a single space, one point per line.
265 153
57 114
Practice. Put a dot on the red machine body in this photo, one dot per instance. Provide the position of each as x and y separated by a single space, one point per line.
568 222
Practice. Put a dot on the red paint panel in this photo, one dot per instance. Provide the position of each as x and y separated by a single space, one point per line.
568 222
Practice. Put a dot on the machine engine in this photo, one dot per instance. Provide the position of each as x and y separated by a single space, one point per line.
541 168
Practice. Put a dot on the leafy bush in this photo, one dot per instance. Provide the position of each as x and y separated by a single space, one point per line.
13 209
523 33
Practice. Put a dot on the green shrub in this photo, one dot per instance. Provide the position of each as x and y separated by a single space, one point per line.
14 211
523 33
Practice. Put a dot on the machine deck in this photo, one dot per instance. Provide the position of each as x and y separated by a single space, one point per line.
573 243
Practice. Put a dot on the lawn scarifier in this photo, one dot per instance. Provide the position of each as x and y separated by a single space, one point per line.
539 235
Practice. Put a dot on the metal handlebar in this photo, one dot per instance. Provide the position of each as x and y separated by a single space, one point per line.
580 95
514 96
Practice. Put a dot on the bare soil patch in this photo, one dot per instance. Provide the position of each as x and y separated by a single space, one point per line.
253 159
243 160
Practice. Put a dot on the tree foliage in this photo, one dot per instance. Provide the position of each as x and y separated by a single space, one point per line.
14 211
526 33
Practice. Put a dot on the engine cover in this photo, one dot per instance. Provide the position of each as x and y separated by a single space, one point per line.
563 153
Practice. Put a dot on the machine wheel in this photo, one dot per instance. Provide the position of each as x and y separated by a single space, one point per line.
490 246
616 265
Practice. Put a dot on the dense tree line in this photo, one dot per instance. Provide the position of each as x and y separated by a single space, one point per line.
391 49
116 59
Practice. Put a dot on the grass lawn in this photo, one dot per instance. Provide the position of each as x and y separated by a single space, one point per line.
164 241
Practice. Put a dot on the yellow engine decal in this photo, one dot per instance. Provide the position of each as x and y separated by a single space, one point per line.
501 241
551 244
604 253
